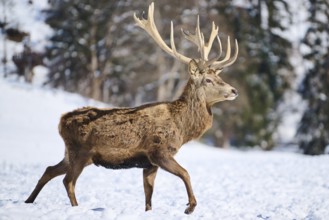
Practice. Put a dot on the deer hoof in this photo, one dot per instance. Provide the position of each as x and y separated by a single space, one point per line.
190 209
148 208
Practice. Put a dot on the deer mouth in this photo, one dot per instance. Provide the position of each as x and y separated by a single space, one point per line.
231 97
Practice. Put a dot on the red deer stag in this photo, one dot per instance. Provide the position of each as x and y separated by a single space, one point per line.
150 135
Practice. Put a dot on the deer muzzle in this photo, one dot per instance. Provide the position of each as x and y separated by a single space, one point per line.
231 95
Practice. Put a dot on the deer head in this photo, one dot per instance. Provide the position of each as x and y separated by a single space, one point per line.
204 72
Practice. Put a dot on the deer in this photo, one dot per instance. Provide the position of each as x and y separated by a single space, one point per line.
150 135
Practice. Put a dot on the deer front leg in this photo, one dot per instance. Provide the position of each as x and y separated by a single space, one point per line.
169 164
50 173
148 177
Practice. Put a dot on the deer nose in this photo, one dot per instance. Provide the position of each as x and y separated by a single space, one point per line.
235 92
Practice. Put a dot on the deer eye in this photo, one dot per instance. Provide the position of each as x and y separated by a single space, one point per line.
208 81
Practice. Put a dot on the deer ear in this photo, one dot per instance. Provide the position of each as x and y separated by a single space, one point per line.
193 69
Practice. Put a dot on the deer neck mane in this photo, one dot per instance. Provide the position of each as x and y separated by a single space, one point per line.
194 115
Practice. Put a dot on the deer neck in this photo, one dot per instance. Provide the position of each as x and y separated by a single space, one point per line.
194 115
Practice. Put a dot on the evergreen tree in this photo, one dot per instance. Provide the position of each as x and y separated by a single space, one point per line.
79 49
261 72
313 130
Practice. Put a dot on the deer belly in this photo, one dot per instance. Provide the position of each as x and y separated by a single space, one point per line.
122 162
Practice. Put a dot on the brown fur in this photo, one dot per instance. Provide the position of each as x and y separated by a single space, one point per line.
146 137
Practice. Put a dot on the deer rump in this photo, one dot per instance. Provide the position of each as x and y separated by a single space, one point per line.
112 138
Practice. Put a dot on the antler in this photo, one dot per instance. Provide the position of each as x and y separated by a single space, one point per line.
149 26
197 38
204 48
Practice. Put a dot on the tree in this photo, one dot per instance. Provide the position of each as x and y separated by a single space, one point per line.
79 50
313 131
261 72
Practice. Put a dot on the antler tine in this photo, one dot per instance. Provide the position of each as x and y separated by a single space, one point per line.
197 38
172 43
150 27
220 47
200 38
235 56
228 53
227 61
192 37
210 62
214 33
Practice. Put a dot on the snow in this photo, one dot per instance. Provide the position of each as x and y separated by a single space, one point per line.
33 112
228 184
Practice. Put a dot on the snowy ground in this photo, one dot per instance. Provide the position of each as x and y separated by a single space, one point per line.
228 184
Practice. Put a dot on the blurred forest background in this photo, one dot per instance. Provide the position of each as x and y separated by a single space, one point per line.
95 49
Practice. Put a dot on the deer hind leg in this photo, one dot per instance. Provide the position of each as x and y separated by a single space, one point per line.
148 177
50 173
73 172
169 164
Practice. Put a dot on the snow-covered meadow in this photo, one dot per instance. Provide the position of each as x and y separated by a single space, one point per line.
228 184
